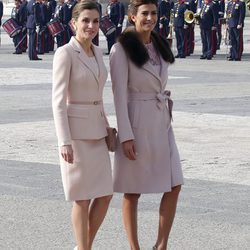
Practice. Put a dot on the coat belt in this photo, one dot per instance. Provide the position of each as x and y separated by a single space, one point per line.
163 99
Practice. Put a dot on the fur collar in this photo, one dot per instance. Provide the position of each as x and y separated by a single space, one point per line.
137 52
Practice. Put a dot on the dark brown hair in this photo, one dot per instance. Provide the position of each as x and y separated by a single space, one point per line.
135 4
137 52
83 5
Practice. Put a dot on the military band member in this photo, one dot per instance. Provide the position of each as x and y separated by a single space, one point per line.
235 13
164 11
23 21
60 38
179 9
189 31
96 38
208 22
33 12
17 38
116 13
42 28
241 30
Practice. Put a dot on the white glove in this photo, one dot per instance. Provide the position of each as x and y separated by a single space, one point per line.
239 26
119 25
160 25
37 29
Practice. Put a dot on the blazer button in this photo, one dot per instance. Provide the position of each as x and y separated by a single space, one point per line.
95 102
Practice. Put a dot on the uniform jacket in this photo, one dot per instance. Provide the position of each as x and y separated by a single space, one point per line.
75 82
164 13
179 10
208 17
117 13
236 12
34 14
23 13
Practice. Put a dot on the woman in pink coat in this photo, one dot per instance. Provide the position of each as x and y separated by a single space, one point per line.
147 159
79 75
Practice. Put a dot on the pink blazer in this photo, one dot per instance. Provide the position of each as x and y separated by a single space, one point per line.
77 94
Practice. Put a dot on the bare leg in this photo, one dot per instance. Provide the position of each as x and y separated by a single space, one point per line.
167 214
80 223
97 212
129 212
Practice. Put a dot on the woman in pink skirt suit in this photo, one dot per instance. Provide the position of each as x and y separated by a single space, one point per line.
79 75
147 159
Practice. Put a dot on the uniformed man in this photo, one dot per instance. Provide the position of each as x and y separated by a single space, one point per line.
96 38
235 13
116 13
61 38
17 38
33 21
164 11
23 21
179 9
208 22
189 31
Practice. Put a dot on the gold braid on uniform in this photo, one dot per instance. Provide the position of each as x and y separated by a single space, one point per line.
137 52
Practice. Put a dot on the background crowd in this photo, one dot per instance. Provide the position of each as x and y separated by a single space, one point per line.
48 22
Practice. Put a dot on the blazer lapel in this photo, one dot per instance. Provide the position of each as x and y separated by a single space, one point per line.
83 57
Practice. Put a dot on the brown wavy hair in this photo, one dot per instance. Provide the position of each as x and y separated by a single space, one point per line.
135 4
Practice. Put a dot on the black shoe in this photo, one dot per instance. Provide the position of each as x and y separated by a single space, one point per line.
182 56
209 58
17 53
107 53
177 56
230 59
238 59
203 57
36 59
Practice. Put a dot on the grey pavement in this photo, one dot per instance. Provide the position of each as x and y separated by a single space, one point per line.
212 129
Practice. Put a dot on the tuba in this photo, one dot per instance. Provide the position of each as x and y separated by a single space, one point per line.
190 16
248 4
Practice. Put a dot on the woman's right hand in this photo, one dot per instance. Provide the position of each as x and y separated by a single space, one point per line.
129 149
67 153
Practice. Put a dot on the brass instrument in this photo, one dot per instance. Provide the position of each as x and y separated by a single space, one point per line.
190 16
248 4
171 25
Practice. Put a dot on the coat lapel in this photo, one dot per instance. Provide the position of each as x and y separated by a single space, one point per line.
148 67
84 58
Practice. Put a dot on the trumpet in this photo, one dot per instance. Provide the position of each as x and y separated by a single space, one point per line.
190 16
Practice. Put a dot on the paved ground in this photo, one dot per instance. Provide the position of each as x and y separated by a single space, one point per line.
212 128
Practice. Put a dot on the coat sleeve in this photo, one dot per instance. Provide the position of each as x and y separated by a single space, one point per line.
119 77
61 78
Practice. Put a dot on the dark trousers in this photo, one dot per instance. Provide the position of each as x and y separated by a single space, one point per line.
18 46
214 42
32 44
111 40
41 41
234 34
180 39
206 39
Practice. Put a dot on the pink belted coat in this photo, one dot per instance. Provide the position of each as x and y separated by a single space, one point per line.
143 110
